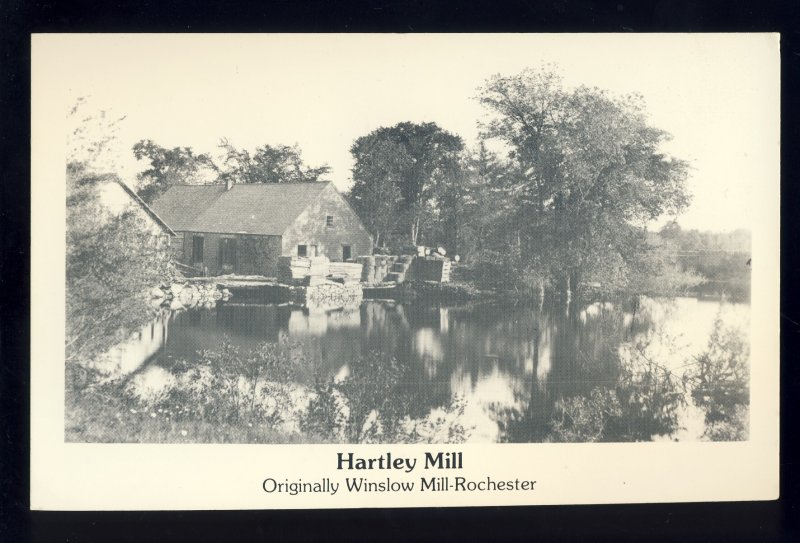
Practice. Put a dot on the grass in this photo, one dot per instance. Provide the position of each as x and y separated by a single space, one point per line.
84 424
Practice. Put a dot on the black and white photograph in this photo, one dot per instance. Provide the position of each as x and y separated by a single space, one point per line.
516 248
398 240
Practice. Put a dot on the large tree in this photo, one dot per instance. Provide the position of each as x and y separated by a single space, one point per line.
176 166
590 171
420 160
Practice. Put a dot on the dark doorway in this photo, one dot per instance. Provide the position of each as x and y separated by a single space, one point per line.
197 249
347 253
227 252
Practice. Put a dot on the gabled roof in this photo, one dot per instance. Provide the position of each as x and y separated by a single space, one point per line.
258 208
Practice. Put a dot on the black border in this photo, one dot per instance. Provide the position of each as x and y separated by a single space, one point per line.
757 521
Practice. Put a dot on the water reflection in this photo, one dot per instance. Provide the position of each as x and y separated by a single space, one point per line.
505 373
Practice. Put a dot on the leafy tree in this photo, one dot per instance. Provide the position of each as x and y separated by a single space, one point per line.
589 168
176 166
111 259
92 136
268 164
485 202
378 200
421 160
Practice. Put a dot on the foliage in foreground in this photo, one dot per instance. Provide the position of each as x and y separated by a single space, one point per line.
231 395
721 384
372 405
111 262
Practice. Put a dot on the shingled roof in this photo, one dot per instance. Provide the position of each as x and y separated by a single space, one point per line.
264 209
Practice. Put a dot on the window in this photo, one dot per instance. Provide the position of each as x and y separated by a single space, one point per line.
197 248
347 253
302 250
329 220
227 251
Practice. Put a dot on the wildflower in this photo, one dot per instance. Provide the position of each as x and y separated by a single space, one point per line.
152 415
133 411
184 433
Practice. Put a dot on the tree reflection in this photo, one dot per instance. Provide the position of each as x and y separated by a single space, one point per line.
590 390
617 377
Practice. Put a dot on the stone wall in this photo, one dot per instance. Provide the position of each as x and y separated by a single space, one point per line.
328 295
311 228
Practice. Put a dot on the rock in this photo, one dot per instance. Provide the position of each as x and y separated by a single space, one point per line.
176 289
187 296
156 292
175 305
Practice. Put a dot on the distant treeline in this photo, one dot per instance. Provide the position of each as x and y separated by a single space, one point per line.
723 259
735 241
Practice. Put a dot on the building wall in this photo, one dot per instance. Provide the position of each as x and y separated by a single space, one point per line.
310 228
177 247
255 255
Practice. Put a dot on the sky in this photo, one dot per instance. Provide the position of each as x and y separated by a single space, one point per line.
716 94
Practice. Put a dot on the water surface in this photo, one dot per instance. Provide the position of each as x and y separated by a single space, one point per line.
507 367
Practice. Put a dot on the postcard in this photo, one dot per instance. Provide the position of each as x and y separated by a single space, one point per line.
287 271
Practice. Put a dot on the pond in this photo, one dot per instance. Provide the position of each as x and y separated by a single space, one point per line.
483 373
